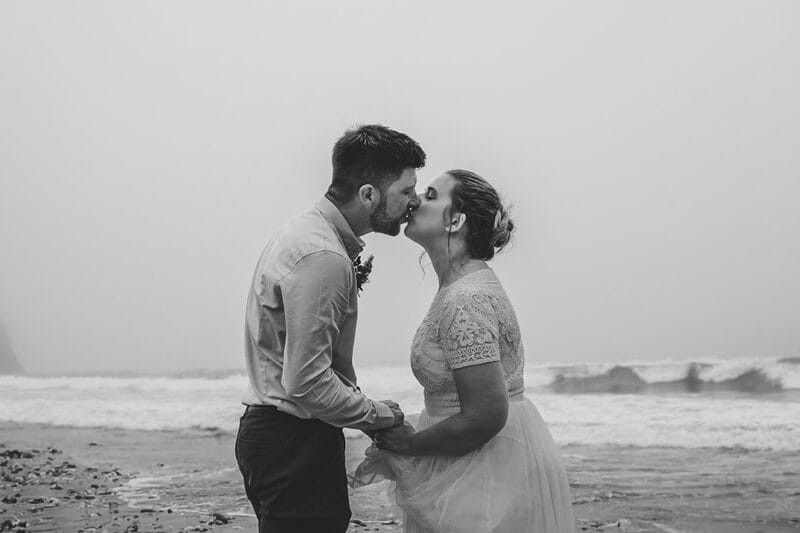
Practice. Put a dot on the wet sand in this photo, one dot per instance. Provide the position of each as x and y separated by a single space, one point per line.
75 479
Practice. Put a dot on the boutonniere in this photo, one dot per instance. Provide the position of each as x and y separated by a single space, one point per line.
362 271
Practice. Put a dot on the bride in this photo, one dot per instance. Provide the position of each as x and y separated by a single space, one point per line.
481 458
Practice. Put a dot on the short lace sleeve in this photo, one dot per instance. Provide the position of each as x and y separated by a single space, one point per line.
470 330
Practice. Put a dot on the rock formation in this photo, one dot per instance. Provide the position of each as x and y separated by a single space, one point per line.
8 361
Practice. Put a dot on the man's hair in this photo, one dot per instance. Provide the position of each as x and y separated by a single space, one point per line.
371 154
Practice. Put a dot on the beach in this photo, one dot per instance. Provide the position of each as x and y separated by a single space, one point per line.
58 478
705 447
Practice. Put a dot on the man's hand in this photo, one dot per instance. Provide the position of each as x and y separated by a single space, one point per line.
391 403
397 439
399 417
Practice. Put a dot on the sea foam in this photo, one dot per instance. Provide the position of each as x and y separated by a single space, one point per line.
735 420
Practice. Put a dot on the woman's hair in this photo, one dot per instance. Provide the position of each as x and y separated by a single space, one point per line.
488 224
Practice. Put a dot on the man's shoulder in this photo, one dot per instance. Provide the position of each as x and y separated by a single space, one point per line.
304 235
310 232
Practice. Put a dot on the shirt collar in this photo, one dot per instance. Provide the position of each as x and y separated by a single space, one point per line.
352 243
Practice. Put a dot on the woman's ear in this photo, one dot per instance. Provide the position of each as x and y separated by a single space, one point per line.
457 221
370 196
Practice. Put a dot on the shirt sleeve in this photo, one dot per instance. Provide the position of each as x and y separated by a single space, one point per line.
316 295
470 330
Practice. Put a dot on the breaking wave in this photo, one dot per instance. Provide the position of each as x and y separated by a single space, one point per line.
726 404
752 376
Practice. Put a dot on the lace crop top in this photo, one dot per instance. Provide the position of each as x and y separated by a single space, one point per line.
470 322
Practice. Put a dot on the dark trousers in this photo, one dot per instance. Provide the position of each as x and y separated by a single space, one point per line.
293 471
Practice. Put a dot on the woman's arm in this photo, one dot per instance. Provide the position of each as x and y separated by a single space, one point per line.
484 408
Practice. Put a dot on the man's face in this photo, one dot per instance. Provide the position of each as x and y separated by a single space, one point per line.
396 202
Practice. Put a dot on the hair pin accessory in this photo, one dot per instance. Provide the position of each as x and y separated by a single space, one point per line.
497 218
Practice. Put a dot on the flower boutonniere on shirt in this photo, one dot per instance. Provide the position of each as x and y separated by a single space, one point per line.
363 270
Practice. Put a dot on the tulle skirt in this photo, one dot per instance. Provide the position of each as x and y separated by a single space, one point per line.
514 483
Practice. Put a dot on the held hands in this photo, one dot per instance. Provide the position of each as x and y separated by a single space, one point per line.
397 413
399 417
397 439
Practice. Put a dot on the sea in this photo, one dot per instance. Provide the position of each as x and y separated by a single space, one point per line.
688 445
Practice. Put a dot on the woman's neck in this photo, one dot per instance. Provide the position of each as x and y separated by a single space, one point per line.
450 267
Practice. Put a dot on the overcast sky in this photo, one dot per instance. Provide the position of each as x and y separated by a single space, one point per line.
651 151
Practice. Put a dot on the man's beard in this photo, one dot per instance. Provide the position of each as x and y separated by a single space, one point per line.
382 223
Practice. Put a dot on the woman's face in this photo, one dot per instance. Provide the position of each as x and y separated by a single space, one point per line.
427 223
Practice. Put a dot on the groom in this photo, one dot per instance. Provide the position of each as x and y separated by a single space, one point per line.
300 327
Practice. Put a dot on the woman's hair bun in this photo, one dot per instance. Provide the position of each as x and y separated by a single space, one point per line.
489 224
501 233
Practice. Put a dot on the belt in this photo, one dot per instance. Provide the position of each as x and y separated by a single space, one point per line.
259 408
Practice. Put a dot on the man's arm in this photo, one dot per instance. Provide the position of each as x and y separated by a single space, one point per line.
315 295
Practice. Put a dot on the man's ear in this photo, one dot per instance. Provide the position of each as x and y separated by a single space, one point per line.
369 196
457 221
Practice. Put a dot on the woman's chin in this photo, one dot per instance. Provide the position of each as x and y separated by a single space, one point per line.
409 231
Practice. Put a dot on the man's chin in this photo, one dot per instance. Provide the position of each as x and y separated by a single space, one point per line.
393 231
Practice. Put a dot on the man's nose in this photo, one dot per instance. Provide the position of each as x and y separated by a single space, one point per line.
414 203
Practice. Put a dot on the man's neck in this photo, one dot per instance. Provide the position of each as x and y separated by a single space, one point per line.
353 215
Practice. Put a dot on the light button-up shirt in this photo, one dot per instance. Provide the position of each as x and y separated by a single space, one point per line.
300 325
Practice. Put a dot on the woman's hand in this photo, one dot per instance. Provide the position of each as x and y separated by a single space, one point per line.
398 439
